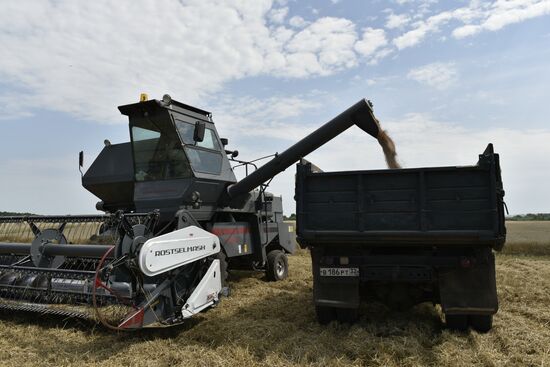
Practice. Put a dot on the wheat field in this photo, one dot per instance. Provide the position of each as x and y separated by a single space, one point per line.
273 324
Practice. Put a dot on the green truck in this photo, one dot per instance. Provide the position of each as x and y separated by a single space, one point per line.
404 236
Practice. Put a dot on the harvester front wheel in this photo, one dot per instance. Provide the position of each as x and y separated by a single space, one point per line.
277 265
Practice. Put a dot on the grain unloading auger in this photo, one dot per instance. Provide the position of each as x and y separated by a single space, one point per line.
176 219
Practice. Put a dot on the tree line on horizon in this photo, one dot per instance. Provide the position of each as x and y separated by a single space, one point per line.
530 216
9 214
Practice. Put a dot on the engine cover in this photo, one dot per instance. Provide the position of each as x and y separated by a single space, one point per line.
169 251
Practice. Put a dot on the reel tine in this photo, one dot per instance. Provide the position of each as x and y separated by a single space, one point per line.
34 228
61 228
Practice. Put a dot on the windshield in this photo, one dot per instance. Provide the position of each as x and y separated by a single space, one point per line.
158 152
204 155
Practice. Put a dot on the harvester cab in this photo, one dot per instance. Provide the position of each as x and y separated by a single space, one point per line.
174 159
175 220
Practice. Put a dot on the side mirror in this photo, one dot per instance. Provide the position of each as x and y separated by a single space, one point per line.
81 162
224 141
234 153
198 135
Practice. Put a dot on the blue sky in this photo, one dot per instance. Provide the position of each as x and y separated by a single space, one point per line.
446 78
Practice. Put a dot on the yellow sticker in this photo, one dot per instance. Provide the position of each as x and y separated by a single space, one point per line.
245 247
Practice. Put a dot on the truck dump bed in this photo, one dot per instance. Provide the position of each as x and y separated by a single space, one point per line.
419 206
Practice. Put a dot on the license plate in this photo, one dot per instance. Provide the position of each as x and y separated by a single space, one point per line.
339 272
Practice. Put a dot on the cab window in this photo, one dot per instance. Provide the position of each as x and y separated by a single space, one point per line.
209 141
158 153
204 156
186 131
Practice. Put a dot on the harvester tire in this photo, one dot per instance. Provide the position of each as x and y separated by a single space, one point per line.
325 314
457 322
481 323
277 266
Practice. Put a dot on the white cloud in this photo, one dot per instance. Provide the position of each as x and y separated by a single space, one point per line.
297 22
277 116
14 106
420 5
382 53
397 21
370 45
323 47
477 16
431 24
502 13
382 80
278 15
88 57
437 75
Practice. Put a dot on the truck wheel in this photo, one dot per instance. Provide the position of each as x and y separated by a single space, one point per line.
457 322
325 314
347 315
277 266
481 323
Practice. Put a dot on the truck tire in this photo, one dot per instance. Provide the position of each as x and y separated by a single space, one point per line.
457 322
277 266
325 314
481 323
347 315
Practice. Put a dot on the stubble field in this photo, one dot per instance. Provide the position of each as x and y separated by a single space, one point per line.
273 324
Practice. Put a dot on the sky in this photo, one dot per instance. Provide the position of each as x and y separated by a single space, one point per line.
446 78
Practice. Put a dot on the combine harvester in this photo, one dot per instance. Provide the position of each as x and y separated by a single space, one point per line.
175 219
